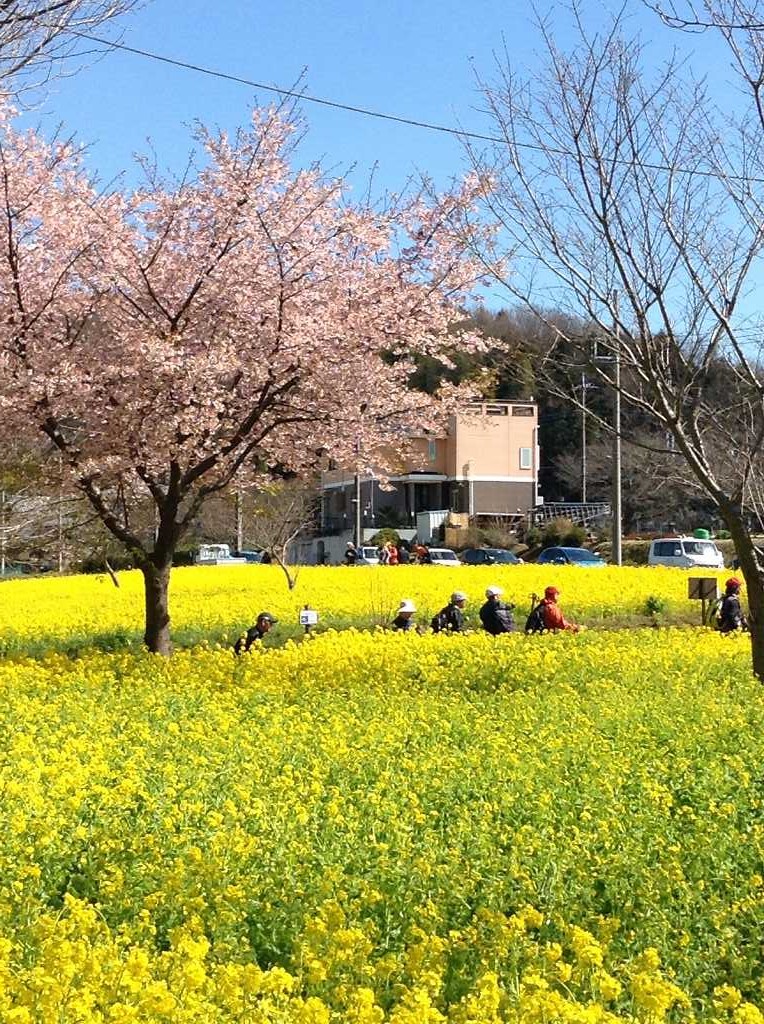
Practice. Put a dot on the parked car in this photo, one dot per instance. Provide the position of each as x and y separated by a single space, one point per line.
759 552
216 554
582 557
250 557
489 556
367 555
685 553
443 556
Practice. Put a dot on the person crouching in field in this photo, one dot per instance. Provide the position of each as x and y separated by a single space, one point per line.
262 627
553 617
451 618
404 619
496 616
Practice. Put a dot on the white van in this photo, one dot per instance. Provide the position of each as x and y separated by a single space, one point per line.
685 553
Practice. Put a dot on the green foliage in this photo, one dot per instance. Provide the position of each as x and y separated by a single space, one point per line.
385 535
655 604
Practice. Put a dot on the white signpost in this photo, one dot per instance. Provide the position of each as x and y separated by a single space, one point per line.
308 619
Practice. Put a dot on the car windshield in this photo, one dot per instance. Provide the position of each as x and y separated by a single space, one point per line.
699 547
582 555
442 556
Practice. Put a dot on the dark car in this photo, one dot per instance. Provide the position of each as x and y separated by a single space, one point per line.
489 556
758 551
571 556
251 557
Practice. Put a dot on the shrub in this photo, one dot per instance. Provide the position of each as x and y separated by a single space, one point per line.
654 605
563 532
387 533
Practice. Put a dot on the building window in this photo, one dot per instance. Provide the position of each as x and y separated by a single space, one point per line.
496 410
522 410
432 451
526 458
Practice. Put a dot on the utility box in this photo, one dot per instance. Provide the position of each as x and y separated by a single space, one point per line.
428 524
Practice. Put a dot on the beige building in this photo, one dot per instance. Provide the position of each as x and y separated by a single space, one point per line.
486 465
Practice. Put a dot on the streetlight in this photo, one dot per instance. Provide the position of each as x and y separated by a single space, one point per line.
584 386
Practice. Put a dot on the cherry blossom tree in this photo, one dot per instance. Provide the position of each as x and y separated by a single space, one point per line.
246 318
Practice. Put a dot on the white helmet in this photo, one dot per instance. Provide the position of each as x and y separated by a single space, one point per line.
407 606
494 592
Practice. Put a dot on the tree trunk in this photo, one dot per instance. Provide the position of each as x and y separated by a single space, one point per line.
753 581
156 581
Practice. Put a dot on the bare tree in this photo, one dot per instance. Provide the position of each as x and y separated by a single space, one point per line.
279 515
626 196
37 37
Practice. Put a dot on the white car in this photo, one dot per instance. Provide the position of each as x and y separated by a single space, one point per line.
367 555
685 553
443 556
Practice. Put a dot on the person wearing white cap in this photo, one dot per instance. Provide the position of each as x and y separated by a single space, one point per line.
495 615
451 618
404 620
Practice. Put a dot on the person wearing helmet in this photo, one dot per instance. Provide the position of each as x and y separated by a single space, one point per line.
404 619
451 618
553 617
731 615
495 615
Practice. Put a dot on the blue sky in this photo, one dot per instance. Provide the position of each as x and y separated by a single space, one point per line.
416 58
413 58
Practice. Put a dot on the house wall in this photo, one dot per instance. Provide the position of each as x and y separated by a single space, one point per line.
487 464
487 442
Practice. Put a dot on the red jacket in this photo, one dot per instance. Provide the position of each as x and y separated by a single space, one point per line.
553 617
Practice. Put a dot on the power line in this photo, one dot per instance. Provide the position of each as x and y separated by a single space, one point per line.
290 93
396 118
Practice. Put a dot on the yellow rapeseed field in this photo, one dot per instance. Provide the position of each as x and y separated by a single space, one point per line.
216 602
370 827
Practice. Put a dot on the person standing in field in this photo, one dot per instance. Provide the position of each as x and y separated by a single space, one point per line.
731 616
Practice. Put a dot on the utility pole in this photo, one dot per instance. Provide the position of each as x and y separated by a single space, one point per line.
358 531
583 438
3 521
617 557
239 522
358 509
60 515
358 538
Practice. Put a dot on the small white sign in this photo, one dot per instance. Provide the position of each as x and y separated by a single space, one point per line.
308 617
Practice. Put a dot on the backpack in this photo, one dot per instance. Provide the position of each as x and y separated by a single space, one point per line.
535 621
439 622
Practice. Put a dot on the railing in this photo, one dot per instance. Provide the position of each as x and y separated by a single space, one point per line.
578 512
